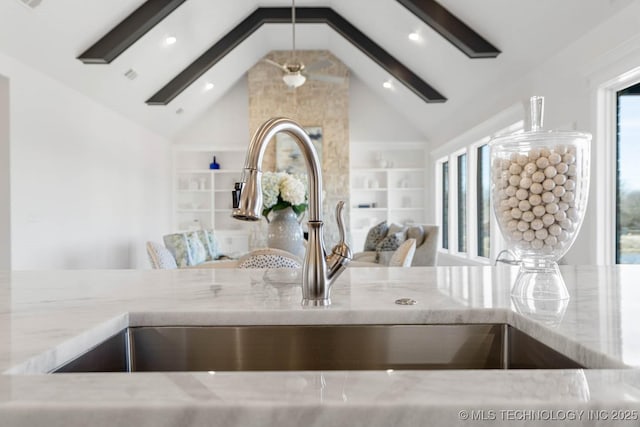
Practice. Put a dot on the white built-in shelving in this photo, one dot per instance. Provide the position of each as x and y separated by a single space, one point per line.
202 196
388 182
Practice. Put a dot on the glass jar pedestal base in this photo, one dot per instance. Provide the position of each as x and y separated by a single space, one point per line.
539 279
539 291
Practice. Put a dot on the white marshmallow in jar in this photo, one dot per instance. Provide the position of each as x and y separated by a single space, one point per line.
540 184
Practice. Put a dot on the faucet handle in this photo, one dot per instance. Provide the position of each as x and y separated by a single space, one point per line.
235 193
341 248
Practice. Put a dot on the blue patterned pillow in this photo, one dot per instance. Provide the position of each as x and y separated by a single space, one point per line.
198 253
179 248
375 235
213 245
203 236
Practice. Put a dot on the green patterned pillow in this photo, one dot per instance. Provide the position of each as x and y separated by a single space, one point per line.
375 235
179 248
196 249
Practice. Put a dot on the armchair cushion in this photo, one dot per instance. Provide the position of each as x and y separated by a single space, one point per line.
198 253
208 240
375 236
213 245
396 228
179 247
367 256
187 248
416 232
390 243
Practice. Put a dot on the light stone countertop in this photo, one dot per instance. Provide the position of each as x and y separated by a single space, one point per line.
47 318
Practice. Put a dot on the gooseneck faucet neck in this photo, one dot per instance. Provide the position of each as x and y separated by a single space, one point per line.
318 273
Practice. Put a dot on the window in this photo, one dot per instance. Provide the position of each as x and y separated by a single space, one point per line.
463 194
445 205
483 183
628 176
462 203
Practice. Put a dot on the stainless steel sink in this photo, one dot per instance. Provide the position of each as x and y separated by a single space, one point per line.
318 347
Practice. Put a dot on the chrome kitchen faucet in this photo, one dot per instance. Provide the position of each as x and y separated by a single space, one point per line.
319 270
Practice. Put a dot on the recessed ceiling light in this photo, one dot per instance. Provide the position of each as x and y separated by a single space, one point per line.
169 40
387 84
208 86
414 37
131 74
31 3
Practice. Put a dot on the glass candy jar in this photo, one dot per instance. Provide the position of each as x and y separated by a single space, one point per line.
540 185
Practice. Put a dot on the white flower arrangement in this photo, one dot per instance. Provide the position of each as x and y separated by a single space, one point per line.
281 190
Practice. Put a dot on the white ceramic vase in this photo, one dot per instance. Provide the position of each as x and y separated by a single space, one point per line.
284 232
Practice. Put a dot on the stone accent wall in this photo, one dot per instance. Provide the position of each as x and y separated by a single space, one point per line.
316 103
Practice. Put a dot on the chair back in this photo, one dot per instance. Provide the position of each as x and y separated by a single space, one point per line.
160 257
427 253
269 258
403 256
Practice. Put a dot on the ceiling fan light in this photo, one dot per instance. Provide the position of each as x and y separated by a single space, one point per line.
294 80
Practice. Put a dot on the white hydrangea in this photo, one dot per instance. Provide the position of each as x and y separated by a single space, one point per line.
292 190
280 188
270 188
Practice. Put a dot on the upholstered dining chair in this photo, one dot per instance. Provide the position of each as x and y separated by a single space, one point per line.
269 258
160 257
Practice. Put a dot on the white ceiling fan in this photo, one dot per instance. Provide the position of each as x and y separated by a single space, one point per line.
295 72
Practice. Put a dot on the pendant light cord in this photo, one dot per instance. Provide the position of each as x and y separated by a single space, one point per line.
293 22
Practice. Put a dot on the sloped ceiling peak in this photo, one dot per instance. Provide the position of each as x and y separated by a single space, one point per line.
150 13
50 37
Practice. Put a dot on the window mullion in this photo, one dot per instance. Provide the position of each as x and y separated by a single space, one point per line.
453 204
472 202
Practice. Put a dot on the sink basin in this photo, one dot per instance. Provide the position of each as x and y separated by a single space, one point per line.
318 347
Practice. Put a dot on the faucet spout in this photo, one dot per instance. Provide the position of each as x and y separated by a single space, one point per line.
319 271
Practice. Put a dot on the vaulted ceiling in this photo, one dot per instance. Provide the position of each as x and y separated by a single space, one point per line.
436 67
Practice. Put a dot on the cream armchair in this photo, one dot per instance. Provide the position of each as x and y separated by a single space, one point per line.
426 252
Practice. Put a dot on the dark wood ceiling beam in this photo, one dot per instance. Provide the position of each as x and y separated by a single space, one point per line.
384 59
208 59
306 16
451 28
127 32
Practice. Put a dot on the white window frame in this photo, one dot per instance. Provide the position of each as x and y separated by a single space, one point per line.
509 121
605 163
438 194
453 202
472 202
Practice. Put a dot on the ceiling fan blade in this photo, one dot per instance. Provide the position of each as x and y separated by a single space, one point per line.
326 78
319 64
275 64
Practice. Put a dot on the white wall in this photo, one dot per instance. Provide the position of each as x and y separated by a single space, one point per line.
226 123
371 119
565 82
5 178
88 186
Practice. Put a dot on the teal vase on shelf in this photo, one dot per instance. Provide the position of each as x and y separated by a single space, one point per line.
214 165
